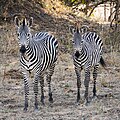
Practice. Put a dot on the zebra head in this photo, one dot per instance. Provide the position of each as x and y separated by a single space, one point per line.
77 40
23 33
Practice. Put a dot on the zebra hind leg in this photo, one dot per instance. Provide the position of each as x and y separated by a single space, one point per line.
94 78
48 78
49 87
42 90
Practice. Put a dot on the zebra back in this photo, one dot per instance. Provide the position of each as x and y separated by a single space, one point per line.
45 46
94 41
47 40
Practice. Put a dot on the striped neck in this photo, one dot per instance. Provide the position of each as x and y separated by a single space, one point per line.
31 51
80 54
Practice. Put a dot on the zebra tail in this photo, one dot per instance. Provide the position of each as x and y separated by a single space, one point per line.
102 62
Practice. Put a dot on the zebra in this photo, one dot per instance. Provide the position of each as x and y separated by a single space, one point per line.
38 54
87 53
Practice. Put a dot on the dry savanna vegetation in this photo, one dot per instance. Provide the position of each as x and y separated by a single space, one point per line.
55 17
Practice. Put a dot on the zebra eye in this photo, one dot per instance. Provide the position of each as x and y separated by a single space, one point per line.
82 42
73 41
28 34
18 34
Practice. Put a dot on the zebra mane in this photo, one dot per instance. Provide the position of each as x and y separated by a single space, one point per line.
77 26
24 23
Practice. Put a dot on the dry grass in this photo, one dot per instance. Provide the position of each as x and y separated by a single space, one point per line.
106 106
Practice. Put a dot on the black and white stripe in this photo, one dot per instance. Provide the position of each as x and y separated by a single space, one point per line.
38 54
87 53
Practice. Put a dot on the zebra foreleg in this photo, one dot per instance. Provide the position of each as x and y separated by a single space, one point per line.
36 91
78 73
86 83
94 78
26 89
48 78
42 89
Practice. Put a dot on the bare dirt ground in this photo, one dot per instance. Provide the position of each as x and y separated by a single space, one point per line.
105 107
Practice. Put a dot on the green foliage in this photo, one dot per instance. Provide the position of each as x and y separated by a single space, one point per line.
83 1
70 2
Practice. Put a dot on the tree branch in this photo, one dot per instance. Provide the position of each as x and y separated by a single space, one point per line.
94 6
113 13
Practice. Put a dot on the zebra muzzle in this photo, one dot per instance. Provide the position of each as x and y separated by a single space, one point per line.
77 54
23 49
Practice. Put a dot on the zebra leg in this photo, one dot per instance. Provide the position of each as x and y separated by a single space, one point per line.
94 78
26 89
78 73
49 87
48 78
36 91
86 83
42 89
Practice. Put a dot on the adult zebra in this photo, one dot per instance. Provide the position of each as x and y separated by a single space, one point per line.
87 53
38 54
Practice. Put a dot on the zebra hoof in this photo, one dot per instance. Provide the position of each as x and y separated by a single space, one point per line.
36 107
94 97
43 103
78 100
87 103
42 100
25 109
36 110
51 100
77 103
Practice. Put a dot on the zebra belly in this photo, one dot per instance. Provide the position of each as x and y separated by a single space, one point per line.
95 58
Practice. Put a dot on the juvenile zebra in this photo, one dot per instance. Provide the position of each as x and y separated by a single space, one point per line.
87 53
38 54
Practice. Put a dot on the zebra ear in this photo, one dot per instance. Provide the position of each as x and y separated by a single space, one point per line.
84 29
30 21
71 29
16 21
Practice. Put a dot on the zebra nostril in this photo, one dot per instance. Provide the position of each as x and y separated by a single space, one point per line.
23 49
77 54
